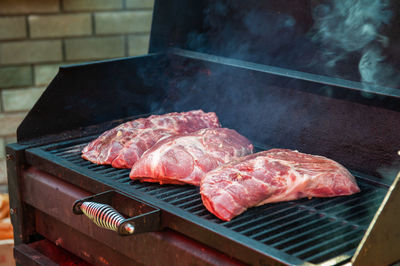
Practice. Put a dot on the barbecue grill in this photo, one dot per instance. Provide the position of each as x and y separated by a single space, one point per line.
221 56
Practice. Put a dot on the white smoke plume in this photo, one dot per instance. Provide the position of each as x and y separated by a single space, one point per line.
344 27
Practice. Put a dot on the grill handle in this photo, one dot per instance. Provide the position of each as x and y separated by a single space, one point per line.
98 209
105 216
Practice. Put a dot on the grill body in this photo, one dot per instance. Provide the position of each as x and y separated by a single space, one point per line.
300 231
282 105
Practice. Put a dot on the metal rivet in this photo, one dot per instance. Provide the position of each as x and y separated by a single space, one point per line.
12 211
9 157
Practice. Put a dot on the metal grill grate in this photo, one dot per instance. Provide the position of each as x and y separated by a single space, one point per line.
314 230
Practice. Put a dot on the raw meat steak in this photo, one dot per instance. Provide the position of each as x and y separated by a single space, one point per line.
186 158
272 176
123 145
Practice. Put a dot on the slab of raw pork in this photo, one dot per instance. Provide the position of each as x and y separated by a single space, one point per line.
123 145
187 158
272 176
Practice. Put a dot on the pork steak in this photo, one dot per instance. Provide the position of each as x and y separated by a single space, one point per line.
272 176
188 157
123 145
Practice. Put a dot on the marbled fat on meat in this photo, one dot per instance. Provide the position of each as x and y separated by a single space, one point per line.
186 158
272 176
123 145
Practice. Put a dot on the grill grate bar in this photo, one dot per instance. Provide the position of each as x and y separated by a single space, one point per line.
150 189
339 249
73 156
202 212
322 226
364 220
116 175
188 204
177 196
84 163
120 177
94 167
354 212
339 214
141 186
281 219
100 168
184 200
107 170
319 204
169 192
196 207
330 245
68 154
253 212
157 190
271 213
301 246
76 159
208 215
75 148
291 224
338 208
125 180
286 234
363 213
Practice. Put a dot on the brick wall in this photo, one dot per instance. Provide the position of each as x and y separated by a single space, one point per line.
36 37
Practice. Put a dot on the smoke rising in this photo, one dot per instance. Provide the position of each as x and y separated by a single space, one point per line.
267 108
345 27
253 32
389 172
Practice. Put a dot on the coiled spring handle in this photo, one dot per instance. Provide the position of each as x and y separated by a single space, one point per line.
145 218
106 216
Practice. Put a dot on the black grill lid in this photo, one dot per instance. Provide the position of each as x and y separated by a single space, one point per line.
332 38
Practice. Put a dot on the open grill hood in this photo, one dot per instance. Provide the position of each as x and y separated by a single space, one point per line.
275 103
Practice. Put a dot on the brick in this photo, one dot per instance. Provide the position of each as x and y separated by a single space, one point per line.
9 122
138 44
94 48
60 25
30 52
123 22
44 74
10 139
139 3
12 28
28 6
20 99
89 5
15 76
3 171
2 148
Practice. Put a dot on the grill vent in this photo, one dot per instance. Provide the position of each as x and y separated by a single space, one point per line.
315 230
